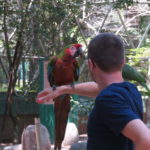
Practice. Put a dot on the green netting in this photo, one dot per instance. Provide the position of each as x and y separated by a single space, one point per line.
47 119
20 105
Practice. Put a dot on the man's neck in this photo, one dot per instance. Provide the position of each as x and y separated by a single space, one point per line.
108 78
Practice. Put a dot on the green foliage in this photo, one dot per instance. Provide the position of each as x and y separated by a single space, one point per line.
48 25
1 8
138 59
81 106
28 88
53 23
123 3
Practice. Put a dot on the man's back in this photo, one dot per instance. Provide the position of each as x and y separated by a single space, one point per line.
115 106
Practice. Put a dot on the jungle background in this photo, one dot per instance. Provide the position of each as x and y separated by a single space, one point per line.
31 31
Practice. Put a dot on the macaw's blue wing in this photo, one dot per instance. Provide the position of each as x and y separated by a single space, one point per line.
76 71
50 70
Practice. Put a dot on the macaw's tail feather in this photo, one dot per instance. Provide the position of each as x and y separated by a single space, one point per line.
57 146
61 108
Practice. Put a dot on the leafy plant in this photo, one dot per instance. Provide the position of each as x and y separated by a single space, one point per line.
81 106
123 3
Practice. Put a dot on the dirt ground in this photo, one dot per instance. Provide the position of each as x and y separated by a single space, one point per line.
82 138
11 146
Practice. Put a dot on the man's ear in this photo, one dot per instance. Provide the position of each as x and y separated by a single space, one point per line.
91 64
124 60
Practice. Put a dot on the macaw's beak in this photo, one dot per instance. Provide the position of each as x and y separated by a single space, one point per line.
79 52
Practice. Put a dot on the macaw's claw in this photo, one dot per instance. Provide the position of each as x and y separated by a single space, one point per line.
54 87
72 84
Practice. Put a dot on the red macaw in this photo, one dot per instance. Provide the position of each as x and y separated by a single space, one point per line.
63 69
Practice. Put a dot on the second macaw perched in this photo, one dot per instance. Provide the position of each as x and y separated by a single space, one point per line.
63 69
130 73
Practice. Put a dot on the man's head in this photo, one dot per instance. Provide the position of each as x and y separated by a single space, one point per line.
106 50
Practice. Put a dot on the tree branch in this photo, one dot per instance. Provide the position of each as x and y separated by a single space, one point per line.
144 35
4 69
143 13
128 36
6 34
99 30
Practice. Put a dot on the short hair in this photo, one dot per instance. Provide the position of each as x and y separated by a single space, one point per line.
107 51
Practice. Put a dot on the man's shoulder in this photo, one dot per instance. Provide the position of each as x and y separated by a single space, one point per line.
119 92
121 88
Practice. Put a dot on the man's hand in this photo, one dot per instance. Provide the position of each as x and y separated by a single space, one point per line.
47 95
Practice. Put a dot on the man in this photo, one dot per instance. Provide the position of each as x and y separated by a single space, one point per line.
115 122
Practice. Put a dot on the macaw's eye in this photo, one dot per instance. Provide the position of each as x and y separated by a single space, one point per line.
72 48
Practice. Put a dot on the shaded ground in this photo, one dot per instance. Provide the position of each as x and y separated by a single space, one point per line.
10 146
82 138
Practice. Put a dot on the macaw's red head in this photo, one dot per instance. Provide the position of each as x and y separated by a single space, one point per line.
74 50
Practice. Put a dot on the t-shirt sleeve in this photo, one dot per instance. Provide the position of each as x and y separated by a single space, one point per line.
114 113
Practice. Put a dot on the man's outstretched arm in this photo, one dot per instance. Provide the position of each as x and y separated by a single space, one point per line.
89 89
